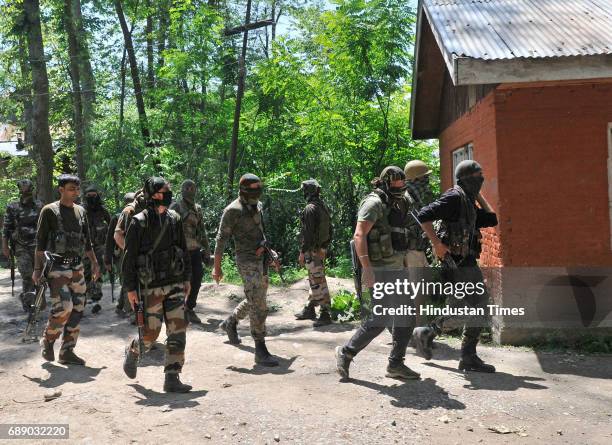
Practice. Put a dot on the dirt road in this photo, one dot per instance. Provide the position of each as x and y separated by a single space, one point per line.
533 398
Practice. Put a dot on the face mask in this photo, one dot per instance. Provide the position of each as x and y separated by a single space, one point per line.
421 188
92 201
471 184
26 196
251 196
165 201
189 194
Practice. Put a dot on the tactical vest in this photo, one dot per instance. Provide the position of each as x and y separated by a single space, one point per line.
415 237
154 264
323 236
62 242
387 236
461 236
26 219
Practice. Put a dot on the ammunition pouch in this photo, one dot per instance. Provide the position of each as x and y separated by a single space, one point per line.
380 245
162 265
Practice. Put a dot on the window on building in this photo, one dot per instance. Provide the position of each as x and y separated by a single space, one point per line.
461 154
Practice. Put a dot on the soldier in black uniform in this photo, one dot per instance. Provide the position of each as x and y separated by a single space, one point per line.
98 219
460 237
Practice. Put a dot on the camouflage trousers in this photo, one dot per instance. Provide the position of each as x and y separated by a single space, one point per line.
67 286
255 283
94 288
24 259
166 303
318 293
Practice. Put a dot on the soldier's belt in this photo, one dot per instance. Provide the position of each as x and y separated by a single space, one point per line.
68 260
404 230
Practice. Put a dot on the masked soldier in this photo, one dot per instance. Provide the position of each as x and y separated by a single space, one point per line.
157 269
315 235
19 235
419 194
242 221
113 256
197 242
459 237
381 246
98 219
63 231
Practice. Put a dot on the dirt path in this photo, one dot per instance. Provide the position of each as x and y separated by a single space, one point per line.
534 398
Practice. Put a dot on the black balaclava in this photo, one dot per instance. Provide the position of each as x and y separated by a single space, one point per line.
153 185
470 184
311 189
92 202
250 195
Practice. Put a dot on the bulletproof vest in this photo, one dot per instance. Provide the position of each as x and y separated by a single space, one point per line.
387 236
155 264
415 237
98 227
323 236
26 219
461 236
191 217
62 242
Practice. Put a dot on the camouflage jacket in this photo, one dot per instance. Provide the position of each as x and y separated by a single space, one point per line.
193 225
98 220
243 223
20 222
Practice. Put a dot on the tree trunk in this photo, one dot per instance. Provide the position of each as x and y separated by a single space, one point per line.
150 62
75 78
122 98
87 80
26 90
127 36
237 110
162 33
41 137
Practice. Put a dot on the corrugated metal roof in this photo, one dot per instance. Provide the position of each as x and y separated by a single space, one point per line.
509 29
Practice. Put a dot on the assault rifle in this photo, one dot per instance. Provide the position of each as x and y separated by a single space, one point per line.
39 299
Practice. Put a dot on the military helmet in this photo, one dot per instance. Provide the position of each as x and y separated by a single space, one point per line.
392 173
247 179
311 187
467 168
415 169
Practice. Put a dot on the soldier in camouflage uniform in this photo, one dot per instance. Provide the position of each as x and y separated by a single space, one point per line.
242 221
315 235
98 219
381 248
20 231
123 223
157 269
63 231
113 255
198 248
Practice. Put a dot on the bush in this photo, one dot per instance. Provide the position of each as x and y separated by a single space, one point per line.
345 306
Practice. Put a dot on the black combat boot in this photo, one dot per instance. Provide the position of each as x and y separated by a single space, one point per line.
308 313
130 362
324 318
422 339
262 356
97 308
46 350
229 325
191 316
172 383
397 370
68 357
474 363
343 362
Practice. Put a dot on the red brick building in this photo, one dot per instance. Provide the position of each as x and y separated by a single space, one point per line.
525 88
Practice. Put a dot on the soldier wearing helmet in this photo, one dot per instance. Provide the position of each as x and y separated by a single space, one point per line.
242 222
381 246
315 236
19 235
459 239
